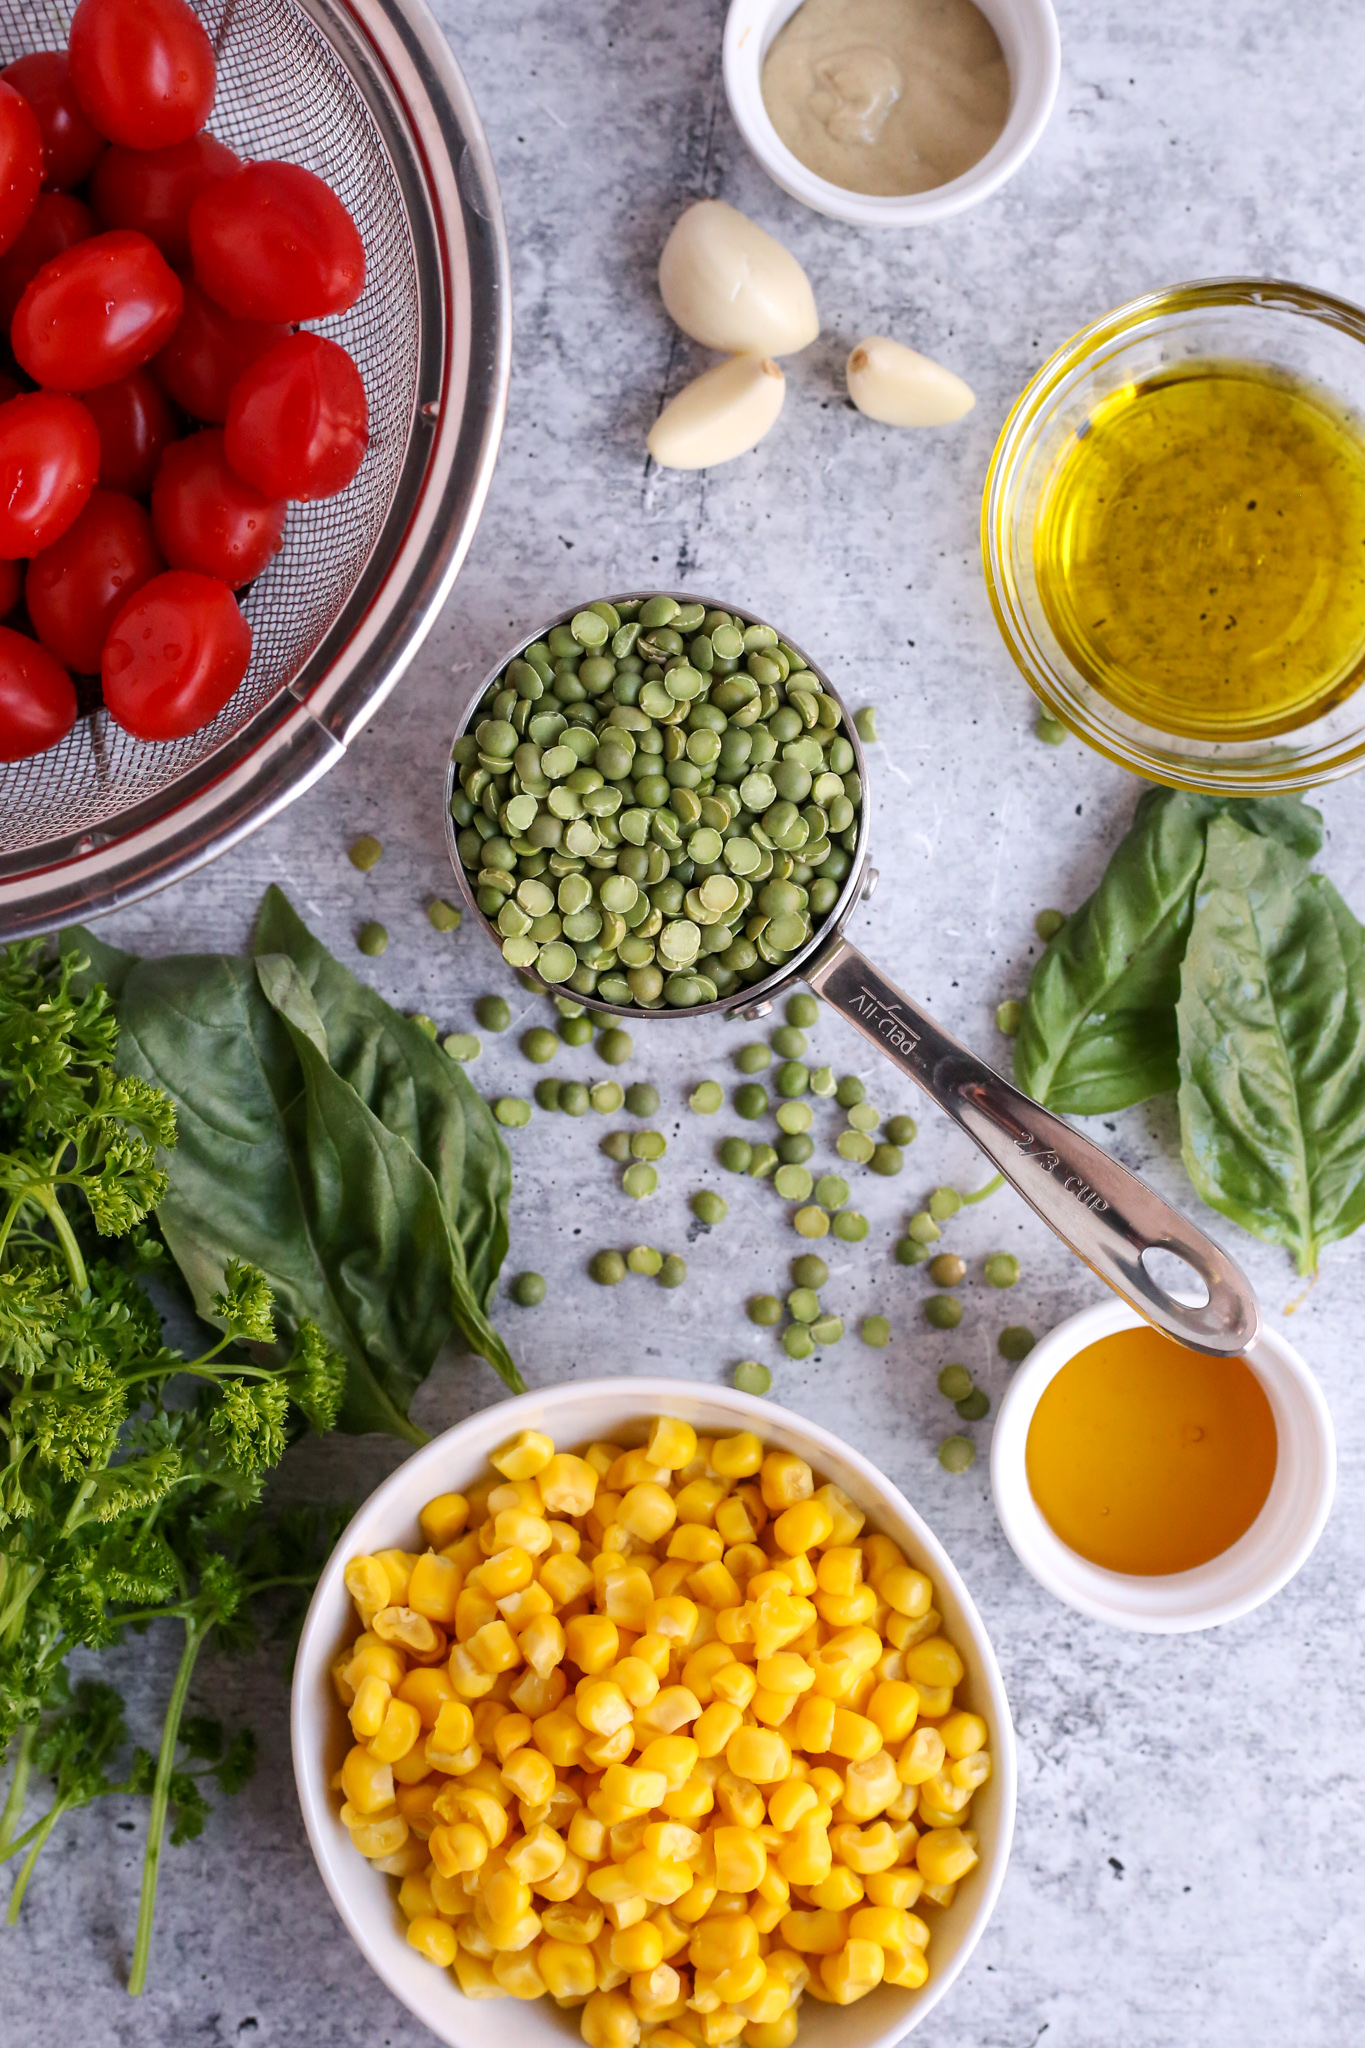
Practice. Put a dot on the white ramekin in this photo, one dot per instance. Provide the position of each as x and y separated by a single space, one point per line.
1275 1546
1032 45
619 1411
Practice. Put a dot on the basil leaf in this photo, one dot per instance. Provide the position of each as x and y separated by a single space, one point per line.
1099 1030
278 1162
414 1088
1272 1047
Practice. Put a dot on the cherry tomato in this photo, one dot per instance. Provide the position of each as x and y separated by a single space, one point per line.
21 162
208 353
11 586
206 518
49 459
94 314
37 697
57 223
175 654
135 424
297 424
76 588
275 243
71 147
143 70
153 190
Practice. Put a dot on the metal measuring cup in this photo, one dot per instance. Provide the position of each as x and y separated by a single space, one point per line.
1108 1216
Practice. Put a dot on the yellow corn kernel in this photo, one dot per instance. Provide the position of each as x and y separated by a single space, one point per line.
721 1941
633 1467
443 1518
415 1896
631 1786
840 1570
702 1666
627 1598
745 1560
908 1968
376 1660
671 1576
560 1736
853 1972
368 1708
934 1662
401 1726
771 1709
568 1968
847 1518
428 1689
458 1847
870 1786
592 1642
674 1618
451 1734
577 1921
530 1774
741 1859
367 1781
512 1568
846 1610
737 1457
633 1678
475 1977
693 1543
778 2033
464 1801
894 1706
785 1479
815 1934
839 1892
880 1554
434 1588
609 2021
910 1592
886 1925
520 1974
567 1485
673 1707
758 1754
601 1706
690 1802
671 1443
805 1856
803 1527
740 1803
565 1578
944 1855
521 1529
503 1897
654 1650
404 1629
934 1700
785 1672
713 1585
740 1982
963 1733
734 1524
735 1684
657 1994
417 1804
971 1772
601 1750
814 1728
793 1801
433 1938
493 1648
921 1758
854 1736
602 1456
397 1566
367 1582
542 1643
381 1836
699 1500
675 1755
520 1609
528 1453
647 1511
637 1948
865 1849
894 1887
474 1607
779 1618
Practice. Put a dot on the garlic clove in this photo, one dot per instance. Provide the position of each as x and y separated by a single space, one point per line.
901 388
733 287
721 414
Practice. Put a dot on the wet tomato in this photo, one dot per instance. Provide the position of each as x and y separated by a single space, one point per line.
21 162
174 655
71 147
143 70
49 460
37 697
207 518
96 313
76 588
56 224
297 423
153 190
208 353
135 423
11 586
275 243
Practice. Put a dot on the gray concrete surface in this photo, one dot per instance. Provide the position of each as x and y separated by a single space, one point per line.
1191 1819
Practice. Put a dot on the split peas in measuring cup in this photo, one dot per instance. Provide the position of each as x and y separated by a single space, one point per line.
661 1734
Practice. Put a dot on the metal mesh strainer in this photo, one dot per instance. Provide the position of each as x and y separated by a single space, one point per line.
368 97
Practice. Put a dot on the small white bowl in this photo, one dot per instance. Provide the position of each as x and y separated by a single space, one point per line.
1029 37
1276 1545
618 1411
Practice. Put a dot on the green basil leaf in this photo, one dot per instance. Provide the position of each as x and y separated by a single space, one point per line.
1099 1031
278 1162
1272 1047
414 1088
109 965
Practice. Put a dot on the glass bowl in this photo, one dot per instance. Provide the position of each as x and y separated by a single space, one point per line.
1286 327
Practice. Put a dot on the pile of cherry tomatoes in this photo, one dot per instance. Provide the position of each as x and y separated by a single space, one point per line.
162 405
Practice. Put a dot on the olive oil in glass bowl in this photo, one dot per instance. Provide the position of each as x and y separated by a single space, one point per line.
1174 535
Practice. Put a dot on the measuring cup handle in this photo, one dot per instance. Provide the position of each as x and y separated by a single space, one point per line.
1106 1214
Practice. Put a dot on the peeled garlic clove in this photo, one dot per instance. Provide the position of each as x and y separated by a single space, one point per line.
731 286
721 414
894 384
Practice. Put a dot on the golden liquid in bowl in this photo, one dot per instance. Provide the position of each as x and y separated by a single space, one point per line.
1200 551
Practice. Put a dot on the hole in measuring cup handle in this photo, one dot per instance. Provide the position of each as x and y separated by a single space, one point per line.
1179 1280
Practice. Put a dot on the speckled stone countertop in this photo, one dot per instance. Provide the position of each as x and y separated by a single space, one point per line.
1191 1824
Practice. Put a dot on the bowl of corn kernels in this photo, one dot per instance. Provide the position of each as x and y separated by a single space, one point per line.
658 1709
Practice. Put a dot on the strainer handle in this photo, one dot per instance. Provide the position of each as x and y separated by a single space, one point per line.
1107 1215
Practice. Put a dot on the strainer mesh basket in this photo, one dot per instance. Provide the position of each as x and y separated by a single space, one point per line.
282 92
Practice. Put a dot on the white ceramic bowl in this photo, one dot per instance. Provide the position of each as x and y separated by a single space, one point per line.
1275 1546
1029 37
618 1411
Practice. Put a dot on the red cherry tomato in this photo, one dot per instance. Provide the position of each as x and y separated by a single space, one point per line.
94 314
143 70
208 353
49 459
175 654
275 243
57 223
153 190
135 424
71 147
76 588
297 424
11 586
21 162
37 697
206 518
